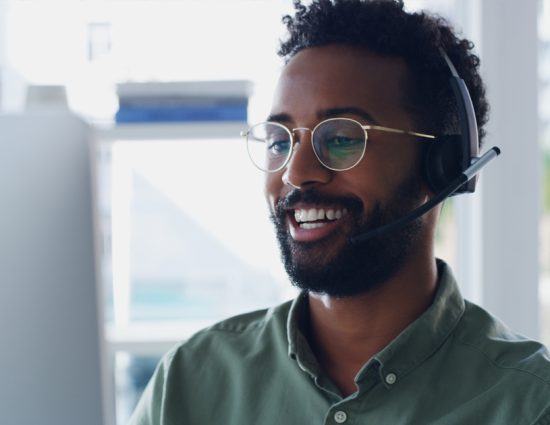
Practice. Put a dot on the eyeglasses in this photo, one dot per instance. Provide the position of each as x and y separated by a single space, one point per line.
339 143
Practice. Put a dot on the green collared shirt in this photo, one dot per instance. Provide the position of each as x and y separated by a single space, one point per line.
455 364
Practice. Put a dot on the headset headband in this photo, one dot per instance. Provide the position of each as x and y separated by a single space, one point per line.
469 137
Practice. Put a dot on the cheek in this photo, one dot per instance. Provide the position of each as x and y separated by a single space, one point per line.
384 168
396 157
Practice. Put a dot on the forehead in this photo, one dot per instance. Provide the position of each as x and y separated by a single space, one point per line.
335 76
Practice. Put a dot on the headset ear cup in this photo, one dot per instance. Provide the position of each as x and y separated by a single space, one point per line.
442 161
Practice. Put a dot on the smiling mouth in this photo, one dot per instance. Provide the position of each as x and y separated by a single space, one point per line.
317 217
312 224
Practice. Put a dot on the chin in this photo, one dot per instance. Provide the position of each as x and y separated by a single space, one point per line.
338 268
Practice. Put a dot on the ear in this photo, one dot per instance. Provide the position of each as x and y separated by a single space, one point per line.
442 161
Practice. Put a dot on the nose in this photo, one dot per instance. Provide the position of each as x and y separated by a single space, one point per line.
304 169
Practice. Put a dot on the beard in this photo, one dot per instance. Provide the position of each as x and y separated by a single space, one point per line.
355 268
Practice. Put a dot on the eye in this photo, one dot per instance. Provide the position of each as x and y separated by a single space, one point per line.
278 147
342 142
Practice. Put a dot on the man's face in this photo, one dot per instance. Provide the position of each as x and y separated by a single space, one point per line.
342 81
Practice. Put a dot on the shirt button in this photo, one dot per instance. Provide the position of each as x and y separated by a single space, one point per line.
340 417
391 378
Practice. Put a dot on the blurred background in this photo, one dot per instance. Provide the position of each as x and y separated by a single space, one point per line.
152 95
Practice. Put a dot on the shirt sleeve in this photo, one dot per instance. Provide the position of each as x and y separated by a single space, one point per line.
151 406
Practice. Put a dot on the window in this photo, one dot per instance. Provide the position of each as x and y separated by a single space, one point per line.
191 245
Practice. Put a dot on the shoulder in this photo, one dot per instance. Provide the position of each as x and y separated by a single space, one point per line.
247 324
501 349
215 367
241 336
489 365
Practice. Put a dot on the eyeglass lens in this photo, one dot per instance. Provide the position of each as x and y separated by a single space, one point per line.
269 146
339 144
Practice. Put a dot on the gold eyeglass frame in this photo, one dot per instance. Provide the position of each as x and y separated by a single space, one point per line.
293 142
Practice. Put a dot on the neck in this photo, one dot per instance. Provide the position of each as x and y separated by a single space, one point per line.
363 325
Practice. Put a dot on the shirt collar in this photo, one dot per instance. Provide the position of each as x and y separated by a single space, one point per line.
408 350
426 334
298 346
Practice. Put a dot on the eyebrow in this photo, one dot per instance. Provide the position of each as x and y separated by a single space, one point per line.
328 113
282 117
353 110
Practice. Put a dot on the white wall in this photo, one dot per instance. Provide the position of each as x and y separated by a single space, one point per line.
511 186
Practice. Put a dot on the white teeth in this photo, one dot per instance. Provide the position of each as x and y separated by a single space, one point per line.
311 225
312 214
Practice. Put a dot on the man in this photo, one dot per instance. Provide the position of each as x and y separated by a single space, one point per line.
380 333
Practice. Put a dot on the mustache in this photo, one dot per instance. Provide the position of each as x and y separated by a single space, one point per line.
312 196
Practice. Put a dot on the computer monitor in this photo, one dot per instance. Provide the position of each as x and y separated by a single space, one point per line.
50 361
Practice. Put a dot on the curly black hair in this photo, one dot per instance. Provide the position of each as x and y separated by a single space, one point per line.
385 28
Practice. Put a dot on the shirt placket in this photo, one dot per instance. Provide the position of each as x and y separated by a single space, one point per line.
350 410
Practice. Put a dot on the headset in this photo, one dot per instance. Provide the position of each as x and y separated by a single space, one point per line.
451 163
446 157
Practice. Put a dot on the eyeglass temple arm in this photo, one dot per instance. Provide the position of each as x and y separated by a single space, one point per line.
395 130
245 133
